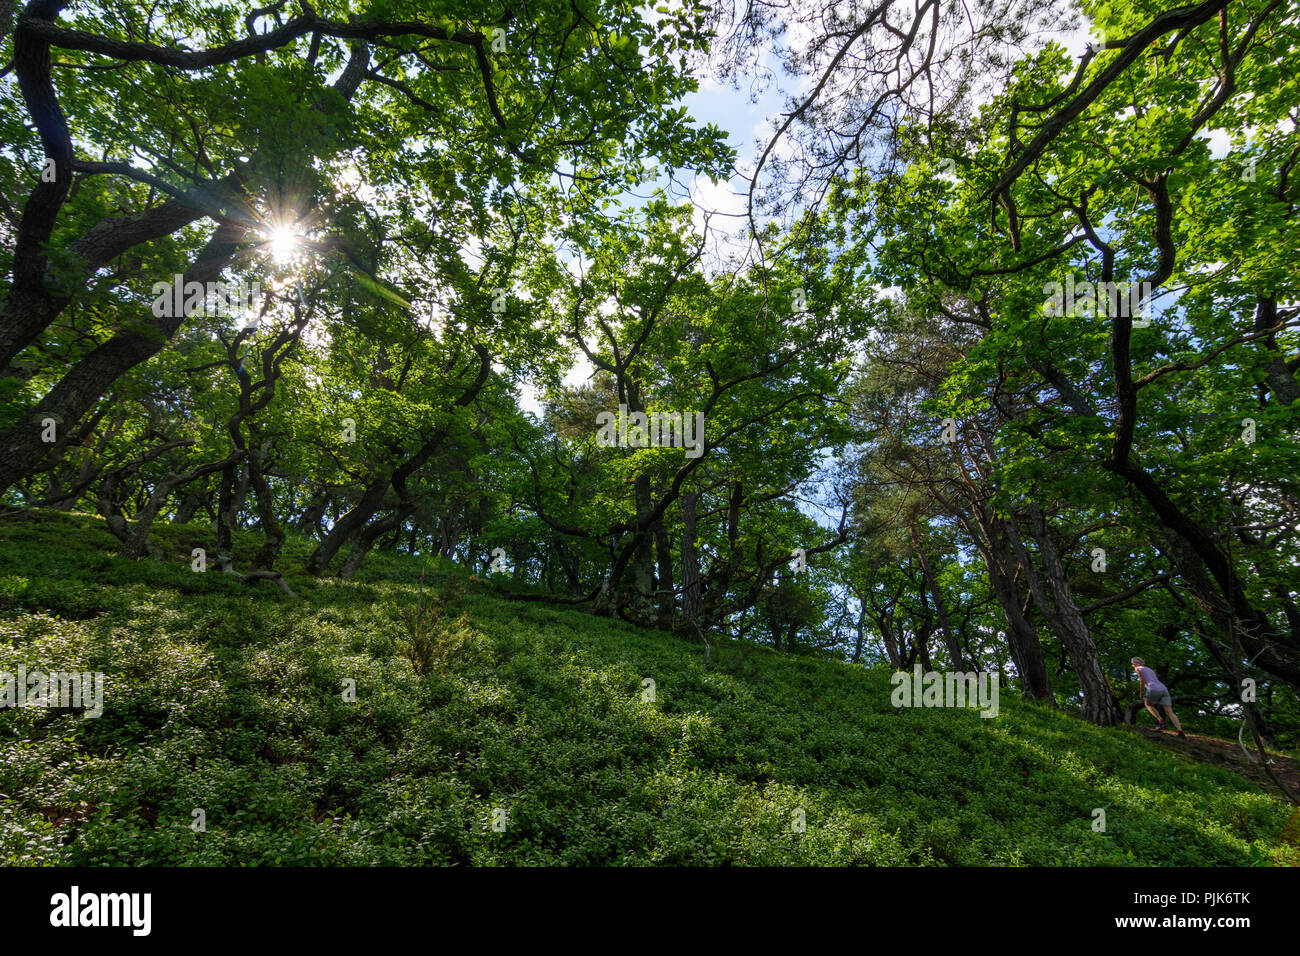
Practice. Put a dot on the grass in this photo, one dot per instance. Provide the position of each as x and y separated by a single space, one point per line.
232 700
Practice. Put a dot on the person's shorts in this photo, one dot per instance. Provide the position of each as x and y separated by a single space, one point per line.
1160 698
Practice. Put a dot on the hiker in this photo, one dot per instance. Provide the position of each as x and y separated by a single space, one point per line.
1154 692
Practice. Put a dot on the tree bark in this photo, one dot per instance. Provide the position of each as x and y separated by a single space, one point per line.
690 559
642 603
354 520
138 541
1022 638
366 541
21 447
664 588
1099 705
945 627
189 507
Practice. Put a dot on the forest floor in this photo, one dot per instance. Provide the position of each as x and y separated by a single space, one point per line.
1227 754
244 727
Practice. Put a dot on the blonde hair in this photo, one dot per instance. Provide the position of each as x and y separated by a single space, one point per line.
1136 660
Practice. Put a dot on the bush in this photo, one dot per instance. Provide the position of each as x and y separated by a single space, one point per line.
429 641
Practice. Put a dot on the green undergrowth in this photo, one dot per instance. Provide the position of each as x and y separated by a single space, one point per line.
528 739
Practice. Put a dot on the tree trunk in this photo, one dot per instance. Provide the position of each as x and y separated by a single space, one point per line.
1281 380
230 477
1022 639
352 523
1099 705
664 556
138 542
349 524
309 521
860 638
109 507
21 447
642 604
891 641
189 506
690 559
367 540
272 532
945 627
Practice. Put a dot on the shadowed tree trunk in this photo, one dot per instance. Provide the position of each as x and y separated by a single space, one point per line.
351 523
188 508
138 541
1022 639
690 559
366 541
641 604
21 447
666 594
945 626
1099 704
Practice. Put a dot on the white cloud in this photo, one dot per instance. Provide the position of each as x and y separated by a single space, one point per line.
721 198
726 206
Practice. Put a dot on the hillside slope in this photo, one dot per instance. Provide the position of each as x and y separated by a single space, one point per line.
229 699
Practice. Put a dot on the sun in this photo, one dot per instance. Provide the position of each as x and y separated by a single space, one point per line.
283 243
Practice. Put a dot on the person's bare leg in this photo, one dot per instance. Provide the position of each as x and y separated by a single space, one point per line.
1154 713
1172 719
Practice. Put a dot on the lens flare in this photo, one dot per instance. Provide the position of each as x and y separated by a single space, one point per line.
283 243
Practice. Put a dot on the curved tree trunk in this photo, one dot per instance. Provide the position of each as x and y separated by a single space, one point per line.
366 541
664 588
21 448
1022 638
